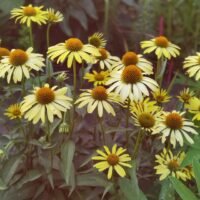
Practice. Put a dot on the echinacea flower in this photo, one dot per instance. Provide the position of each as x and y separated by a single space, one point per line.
170 165
192 66
185 95
97 98
72 50
97 40
44 103
14 111
175 127
4 52
29 14
146 114
161 96
105 59
19 63
131 58
98 78
162 47
54 16
194 107
130 82
114 160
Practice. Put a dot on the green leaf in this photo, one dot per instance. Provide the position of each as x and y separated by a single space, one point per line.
196 169
67 155
3 186
107 189
167 191
184 192
127 189
190 155
30 176
89 8
10 168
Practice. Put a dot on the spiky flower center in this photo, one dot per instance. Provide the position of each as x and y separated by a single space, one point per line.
18 57
186 97
16 112
99 93
52 17
160 98
99 76
4 52
45 95
74 44
95 41
161 41
131 74
146 120
104 54
112 159
130 58
29 11
174 121
173 165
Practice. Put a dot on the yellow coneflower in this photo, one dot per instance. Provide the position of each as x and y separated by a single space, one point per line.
185 95
114 160
170 165
54 16
97 40
44 103
162 47
161 96
98 78
29 14
194 107
14 111
72 50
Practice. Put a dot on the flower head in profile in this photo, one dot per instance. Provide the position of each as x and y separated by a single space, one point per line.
72 50
97 40
131 82
19 63
105 59
29 14
194 107
61 77
97 98
175 127
44 103
14 111
146 114
185 95
98 78
192 66
113 160
131 58
161 96
161 46
54 16
170 165
4 52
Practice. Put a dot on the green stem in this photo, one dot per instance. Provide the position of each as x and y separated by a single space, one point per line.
48 130
47 35
160 70
106 15
74 81
82 75
137 144
23 87
172 82
102 130
127 121
31 35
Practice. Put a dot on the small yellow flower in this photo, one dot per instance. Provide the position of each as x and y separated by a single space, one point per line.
170 165
185 95
131 58
161 96
98 78
29 14
162 47
54 16
14 111
192 66
194 107
112 160
44 103
146 114
97 40
97 98
175 127
61 77
72 50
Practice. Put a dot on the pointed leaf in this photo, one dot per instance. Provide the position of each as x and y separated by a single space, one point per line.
196 169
